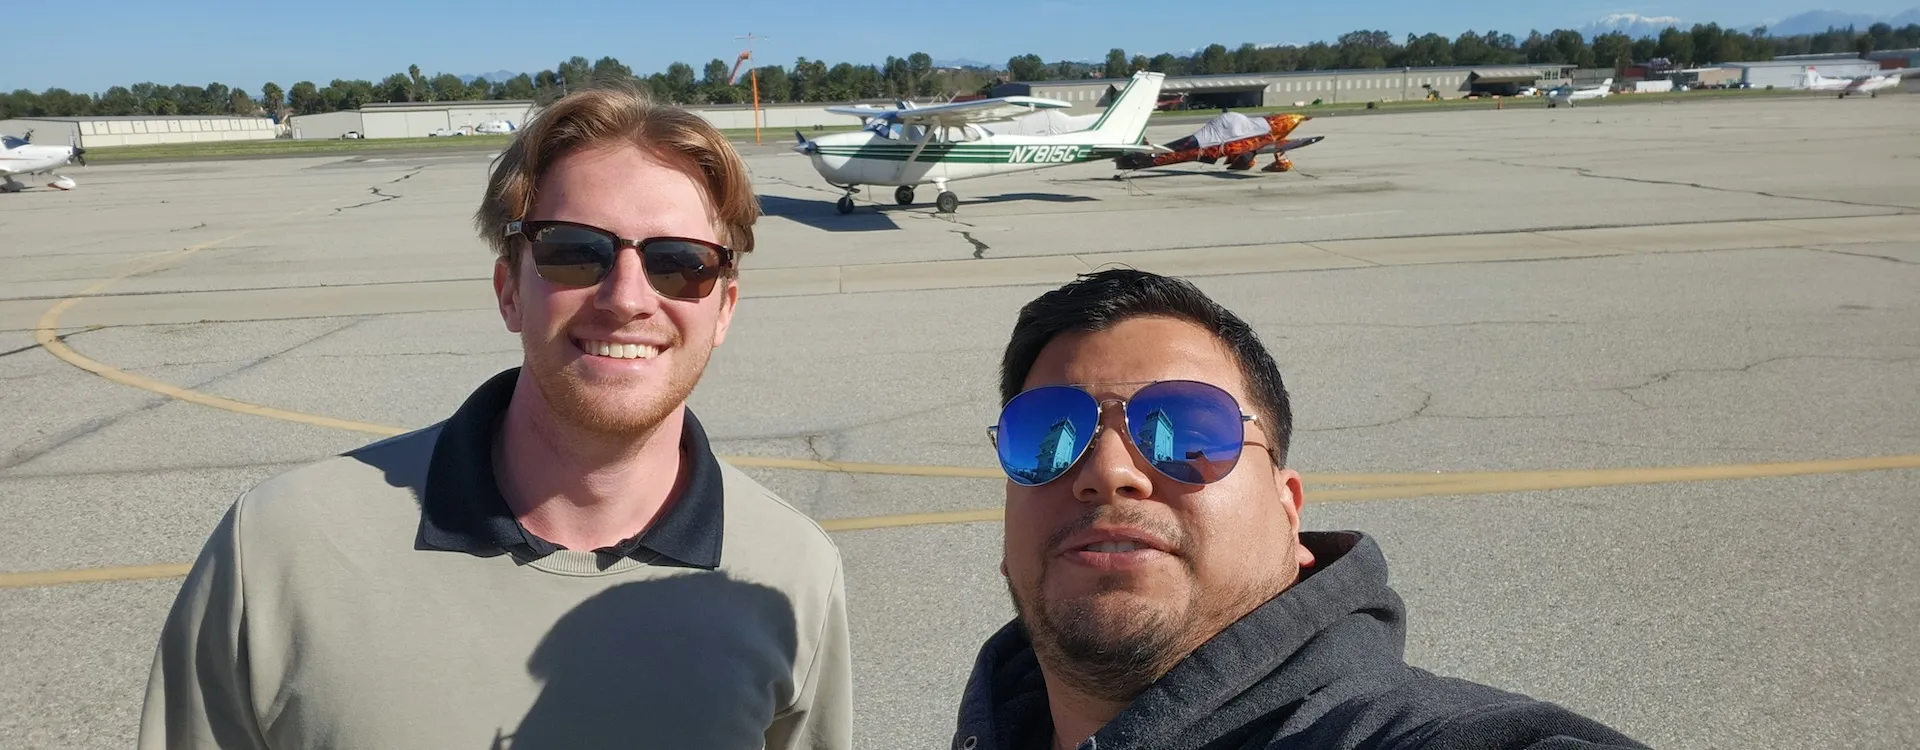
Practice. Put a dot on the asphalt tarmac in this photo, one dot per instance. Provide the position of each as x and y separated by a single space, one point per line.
1516 324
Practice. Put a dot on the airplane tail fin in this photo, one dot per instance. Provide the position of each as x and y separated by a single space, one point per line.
1125 121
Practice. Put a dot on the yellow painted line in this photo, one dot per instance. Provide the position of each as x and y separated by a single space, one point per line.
1486 483
92 575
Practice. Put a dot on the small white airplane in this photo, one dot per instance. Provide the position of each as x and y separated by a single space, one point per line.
1567 95
910 146
19 156
1869 85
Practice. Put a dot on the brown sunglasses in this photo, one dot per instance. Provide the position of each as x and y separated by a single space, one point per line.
572 254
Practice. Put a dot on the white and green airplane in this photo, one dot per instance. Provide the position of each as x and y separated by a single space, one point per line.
911 146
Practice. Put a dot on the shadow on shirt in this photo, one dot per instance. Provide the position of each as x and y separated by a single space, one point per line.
696 659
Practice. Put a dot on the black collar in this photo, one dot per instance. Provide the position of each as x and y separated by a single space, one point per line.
462 509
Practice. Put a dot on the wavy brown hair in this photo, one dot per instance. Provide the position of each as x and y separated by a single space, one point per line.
610 114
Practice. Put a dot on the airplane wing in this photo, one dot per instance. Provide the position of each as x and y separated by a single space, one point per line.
1144 148
957 113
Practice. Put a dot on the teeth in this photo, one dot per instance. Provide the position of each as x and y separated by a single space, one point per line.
1114 547
619 351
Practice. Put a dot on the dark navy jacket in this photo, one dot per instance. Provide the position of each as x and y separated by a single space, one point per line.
1320 666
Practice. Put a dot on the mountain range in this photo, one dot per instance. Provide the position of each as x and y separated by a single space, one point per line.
1809 22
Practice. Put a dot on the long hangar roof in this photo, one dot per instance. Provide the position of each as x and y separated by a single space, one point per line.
1505 75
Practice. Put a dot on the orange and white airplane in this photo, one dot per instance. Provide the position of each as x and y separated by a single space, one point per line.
19 156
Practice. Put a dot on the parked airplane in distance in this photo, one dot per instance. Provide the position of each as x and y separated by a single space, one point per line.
910 146
20 156
1869 85
1567 94
1232 136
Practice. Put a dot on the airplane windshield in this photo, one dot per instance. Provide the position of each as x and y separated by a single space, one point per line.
10 142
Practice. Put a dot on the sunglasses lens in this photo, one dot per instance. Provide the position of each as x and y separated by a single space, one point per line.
1190 431
682 269
1042 432
572 256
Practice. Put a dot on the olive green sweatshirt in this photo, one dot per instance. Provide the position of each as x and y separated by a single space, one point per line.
381 599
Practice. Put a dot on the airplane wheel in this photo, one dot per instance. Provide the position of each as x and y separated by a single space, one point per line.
903 195
844 205
947 203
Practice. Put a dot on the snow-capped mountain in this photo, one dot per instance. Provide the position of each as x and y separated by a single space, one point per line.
1633 25
1816 21
1809 22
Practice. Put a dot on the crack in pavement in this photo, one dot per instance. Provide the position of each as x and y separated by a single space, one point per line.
1586 172
30 451
383 196
979 248
1668 375
1864 255
791 183
1426 401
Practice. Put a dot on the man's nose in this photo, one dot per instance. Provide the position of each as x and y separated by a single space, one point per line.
625 291
1112 469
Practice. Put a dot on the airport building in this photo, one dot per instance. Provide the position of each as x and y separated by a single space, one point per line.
410 119
138 130
1298 88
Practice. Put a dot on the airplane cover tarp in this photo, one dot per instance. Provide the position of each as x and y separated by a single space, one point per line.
1229 126
1042 122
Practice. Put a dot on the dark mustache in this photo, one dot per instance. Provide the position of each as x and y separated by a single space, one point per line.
1120 515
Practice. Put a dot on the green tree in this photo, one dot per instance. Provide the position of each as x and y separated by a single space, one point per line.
272 98
447 87
305 99
238 103
775 86
610 69
1116 64
519 87
1028 67
118 101
1214 60
920 68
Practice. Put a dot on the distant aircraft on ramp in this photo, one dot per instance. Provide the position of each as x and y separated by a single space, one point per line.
1869 85
1232 136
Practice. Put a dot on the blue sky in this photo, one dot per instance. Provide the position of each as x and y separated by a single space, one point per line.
245 43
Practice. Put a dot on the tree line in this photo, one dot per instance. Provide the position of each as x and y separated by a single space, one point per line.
915 76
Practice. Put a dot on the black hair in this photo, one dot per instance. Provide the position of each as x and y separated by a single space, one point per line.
1098 301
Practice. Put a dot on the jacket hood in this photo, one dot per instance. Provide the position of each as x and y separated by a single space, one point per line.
1339 619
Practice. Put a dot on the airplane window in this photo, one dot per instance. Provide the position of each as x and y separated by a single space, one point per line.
7 141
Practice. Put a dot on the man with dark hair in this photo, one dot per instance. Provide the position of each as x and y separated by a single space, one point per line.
1166 596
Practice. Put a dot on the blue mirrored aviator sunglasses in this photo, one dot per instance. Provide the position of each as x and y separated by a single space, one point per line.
1189 431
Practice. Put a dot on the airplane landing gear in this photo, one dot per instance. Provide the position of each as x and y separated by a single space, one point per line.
11 186
62 182
903 195
946 201
1280 164
845 204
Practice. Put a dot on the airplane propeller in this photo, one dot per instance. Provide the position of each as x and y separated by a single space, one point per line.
79 154
804 146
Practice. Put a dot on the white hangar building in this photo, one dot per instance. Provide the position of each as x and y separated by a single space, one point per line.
138 130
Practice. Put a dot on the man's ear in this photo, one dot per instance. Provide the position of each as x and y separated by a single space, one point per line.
729 296
507 288
1293 498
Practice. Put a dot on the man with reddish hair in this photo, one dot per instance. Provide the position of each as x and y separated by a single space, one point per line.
564 560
